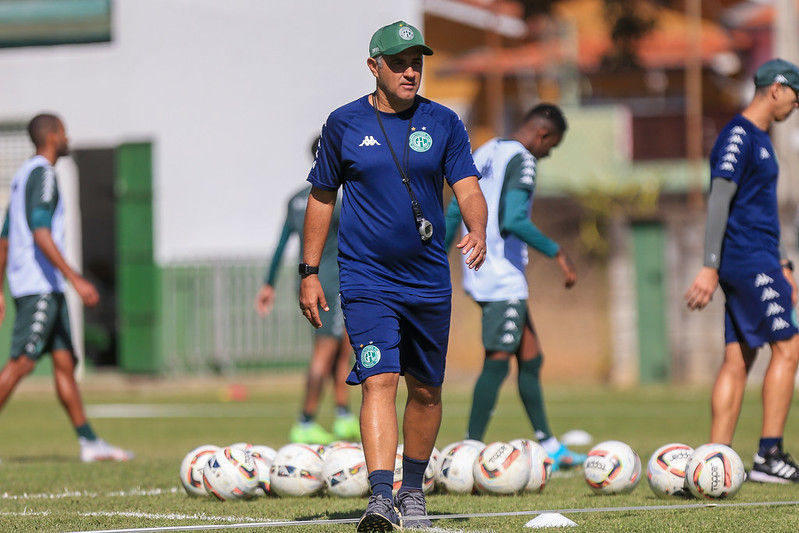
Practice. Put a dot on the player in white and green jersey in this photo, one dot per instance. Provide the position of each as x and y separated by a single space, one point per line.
508 167
332 353
32 255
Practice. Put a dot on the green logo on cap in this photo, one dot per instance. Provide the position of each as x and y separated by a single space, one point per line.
420 141
370 356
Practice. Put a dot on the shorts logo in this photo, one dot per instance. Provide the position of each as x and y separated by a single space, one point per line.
370 356
420 141
406 34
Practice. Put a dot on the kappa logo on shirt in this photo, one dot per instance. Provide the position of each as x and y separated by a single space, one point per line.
774 309
768 294
368 140
764 154
509 326
762 279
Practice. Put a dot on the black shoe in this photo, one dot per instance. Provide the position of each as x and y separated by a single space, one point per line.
380 516
776 467
412 509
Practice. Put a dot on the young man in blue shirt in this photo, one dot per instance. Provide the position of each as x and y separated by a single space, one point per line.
391 151
744 256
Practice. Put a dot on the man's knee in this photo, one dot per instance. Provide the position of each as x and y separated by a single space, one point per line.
22 365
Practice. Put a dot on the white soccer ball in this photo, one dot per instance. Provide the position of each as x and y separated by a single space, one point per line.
230 474
263 456
296 471
429 481
454 471
191 469
714 471
665 470
501 468
540 463
344 472
612 467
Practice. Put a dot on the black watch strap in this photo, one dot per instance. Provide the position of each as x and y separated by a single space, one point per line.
306 269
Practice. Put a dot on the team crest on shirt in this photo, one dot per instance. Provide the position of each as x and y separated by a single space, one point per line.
420 141
370 356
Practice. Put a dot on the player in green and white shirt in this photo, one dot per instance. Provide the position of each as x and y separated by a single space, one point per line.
332 353
508 167
32 255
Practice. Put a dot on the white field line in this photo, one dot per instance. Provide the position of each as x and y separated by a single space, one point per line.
87 494
253 525
137 514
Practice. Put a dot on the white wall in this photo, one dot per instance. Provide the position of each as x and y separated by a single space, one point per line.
231 92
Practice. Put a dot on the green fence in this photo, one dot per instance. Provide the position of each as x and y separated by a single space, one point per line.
209 323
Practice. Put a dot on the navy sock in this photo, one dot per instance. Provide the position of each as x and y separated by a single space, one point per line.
342 410
305 418
382 482
86 432
412 473
767 443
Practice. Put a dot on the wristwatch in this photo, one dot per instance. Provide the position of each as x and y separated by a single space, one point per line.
787 264
306 269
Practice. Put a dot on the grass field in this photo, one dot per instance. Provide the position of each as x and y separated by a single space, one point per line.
44 487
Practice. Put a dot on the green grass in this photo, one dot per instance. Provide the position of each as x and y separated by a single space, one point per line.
44 487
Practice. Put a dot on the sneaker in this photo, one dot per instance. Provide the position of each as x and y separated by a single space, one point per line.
565 458
412 509
380 516
100 450
347 428
310 433
776 467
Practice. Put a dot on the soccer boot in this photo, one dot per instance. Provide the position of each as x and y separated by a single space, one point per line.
380 516
310 433
347 428
565 458
776 467
100 450
412 509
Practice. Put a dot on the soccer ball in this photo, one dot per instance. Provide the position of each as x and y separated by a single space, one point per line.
612 467
714 471
429 481
540 463
344 472
191 469
454 470
501 468
230 474
666 470
263 456
296 471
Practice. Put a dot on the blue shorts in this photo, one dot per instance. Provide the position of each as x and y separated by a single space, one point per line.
758 309
397 333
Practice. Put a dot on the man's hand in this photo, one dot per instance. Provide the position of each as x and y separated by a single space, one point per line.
473 244
2 306
311 298
265 300
566 265
87 292
701 291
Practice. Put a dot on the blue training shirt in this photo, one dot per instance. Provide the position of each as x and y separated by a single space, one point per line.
379 244
744 154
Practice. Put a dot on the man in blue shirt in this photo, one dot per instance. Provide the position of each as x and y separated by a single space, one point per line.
391 152
744 256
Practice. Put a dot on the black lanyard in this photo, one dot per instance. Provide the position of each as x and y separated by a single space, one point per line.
417 211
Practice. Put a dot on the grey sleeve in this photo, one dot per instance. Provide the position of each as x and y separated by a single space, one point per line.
722 191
